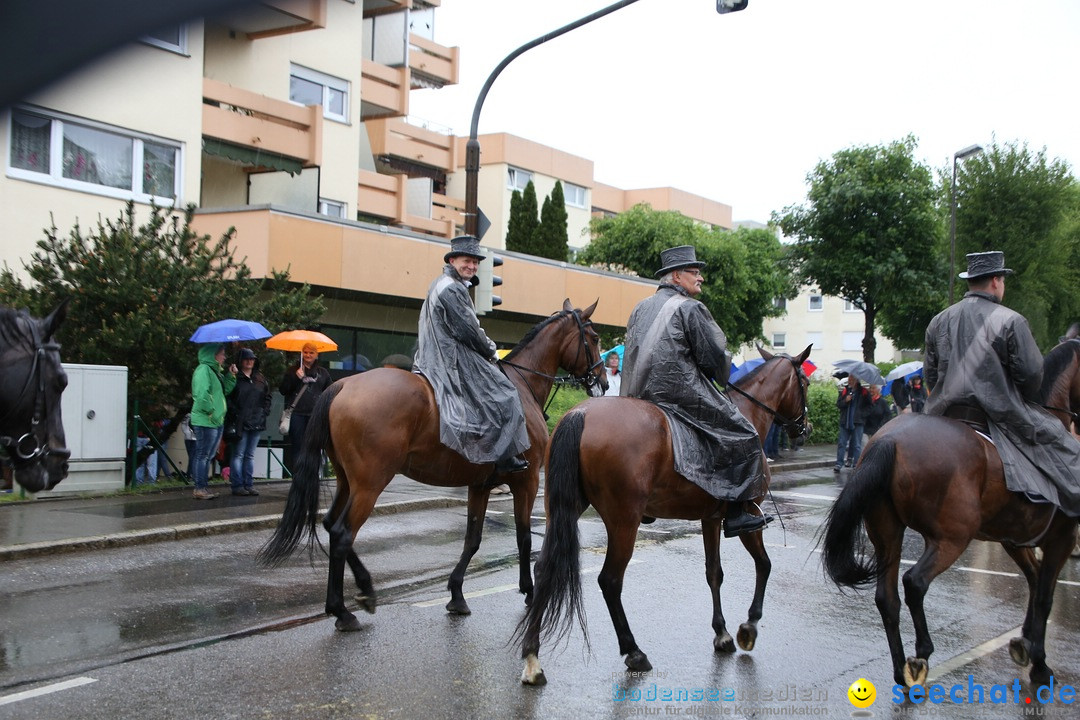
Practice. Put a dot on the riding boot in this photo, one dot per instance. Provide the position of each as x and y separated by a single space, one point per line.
738 520
511 464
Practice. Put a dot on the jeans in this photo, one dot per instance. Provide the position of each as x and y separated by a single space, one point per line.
147 472
243 459
851 442
206 445
772 441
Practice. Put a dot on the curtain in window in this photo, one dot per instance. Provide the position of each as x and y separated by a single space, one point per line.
159 170
97 157
30 142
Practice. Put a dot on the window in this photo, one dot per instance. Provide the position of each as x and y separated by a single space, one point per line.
852 341
333 208
94 158
780 303
517 179
173 37
850 307
779 341
815 339
817 303
310 87
574 195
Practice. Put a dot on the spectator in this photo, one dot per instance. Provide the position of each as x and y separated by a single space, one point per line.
852 404
917 395
209 386
302 386
249 402
614 377
878 411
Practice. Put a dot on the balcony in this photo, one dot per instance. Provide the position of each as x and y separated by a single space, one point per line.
384 91
388 197
382 7
432 65
277 17
397 138
275 128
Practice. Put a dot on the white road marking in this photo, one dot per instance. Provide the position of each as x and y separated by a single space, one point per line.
955 663
46 689
804 496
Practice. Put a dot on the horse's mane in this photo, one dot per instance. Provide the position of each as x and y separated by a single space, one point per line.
531 335
1056 362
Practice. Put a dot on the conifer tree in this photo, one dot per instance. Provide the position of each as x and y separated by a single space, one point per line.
554 240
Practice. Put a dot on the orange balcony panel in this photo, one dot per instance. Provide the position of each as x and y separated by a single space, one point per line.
256 121
277 17
394 136
432 65
382 7
381 195
384 91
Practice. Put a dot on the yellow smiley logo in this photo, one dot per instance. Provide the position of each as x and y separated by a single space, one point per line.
862 693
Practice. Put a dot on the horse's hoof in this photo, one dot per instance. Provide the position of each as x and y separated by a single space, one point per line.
915 671
1040 677
528 598
349 623
533 674
723 643
1018 651
638 661
458 607
747 636
367 603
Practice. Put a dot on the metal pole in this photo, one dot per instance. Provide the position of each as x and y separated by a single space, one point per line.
472 147
952 233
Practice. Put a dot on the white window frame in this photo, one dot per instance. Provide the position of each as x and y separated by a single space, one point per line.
55 175
779 340
332 208
180 47
572 191
780 303
328 83
820 302
849 307
517 179
816 339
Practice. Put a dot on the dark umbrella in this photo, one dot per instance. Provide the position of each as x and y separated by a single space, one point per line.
230 330
868 373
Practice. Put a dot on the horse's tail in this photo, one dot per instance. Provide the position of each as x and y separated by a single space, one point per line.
842 554
557 596
302 507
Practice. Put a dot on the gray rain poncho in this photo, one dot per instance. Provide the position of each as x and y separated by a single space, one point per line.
480 413
674 350
982 354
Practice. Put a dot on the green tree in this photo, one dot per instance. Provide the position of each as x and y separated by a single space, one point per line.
744 271
524 224
139 292
554 239
871 234
1017 201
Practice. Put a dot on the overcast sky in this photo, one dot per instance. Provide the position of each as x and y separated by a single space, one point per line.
740 107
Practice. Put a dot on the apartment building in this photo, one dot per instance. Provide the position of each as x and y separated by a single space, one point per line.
289 120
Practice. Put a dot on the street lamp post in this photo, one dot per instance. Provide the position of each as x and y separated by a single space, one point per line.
957 156
472 147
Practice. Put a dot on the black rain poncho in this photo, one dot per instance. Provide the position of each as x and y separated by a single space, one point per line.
674 350
480 413
982 354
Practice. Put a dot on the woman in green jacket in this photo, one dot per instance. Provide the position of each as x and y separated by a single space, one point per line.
209 386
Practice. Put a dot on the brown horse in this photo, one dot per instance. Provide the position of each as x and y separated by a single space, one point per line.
385 421
616 455
945 481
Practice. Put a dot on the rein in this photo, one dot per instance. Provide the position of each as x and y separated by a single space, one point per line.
27 447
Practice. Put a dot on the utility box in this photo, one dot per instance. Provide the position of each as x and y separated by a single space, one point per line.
94 409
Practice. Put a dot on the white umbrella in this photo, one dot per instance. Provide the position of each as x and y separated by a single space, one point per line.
902 371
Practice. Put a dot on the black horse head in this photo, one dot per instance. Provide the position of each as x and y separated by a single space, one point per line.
31 382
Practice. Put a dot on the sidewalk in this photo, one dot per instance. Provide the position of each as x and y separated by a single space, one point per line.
50 525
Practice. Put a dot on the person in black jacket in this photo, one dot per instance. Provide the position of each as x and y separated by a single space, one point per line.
249 404
311 378
878 411
853 402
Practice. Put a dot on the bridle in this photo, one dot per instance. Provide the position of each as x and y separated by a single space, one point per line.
799 423
29 446
587 379
1075 416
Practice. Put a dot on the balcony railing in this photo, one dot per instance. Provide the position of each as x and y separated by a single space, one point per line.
277 17
384 91
432 65
386 197
397 138
248 119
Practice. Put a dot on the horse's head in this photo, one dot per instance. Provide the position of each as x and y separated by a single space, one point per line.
792 411
31 428
1060 391
580 353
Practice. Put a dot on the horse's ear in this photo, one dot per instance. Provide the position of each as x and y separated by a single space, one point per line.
567 306
587 312
52 323
1073 331
764 353
804 354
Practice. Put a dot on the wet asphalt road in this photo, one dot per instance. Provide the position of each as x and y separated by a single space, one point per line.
194 629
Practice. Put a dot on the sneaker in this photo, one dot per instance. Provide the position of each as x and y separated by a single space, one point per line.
500 490
240 491
252 491
836 468
204 495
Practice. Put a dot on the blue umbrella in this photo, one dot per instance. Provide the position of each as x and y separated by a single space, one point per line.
230 330
745 368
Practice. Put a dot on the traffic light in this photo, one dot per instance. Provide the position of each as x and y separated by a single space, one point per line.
486 299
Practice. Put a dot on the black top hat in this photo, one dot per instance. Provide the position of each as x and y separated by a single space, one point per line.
464 245
677 258
985 263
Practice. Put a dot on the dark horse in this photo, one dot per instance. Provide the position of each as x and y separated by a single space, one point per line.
945 481
32 380
385 421
615 454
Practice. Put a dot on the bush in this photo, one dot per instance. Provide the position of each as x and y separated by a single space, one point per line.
821 399
561 400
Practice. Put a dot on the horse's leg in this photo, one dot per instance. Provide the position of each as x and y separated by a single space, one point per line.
755 545
366 596
936 558
1025 559
1056 548
714 575
341 540
474 530
524 497
886 533
620 548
